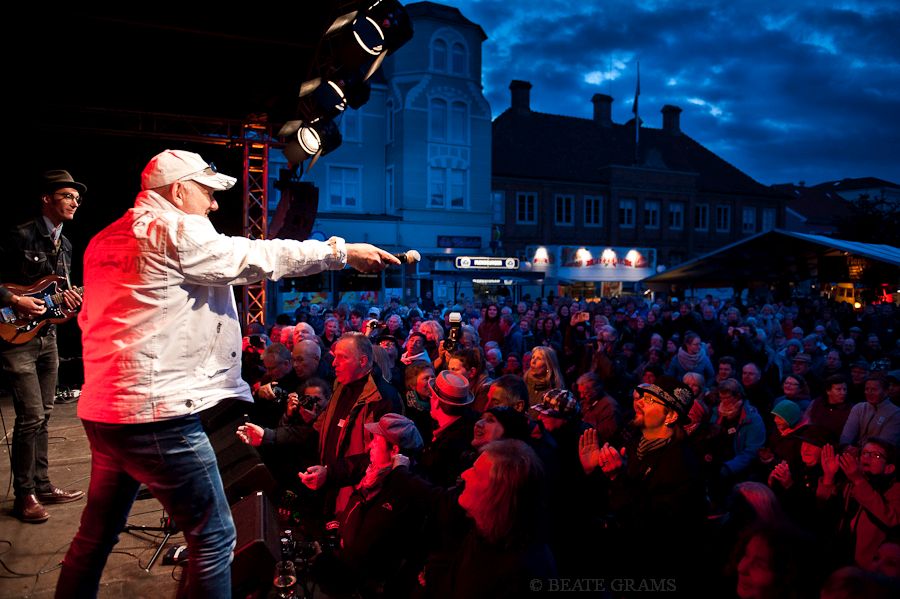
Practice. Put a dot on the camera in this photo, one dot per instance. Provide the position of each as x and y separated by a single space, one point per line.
309 402
373 327
257 342
580 317
454 335
281 394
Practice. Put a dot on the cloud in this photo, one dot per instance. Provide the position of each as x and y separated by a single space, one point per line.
784 90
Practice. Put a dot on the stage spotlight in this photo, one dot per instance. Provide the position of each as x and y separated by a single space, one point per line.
307 140
327 99
393 21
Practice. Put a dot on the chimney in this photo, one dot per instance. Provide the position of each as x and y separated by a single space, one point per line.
602 109
671 119
521 96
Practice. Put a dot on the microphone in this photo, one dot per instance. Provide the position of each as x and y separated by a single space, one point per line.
408 257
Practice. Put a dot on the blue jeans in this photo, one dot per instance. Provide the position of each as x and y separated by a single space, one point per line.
176 461
31 369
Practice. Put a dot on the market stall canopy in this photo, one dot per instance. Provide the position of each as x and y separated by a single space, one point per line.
778 256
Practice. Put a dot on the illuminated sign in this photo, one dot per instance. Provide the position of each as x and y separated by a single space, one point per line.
593 263
475 262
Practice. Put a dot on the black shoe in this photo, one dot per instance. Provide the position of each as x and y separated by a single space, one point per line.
57 495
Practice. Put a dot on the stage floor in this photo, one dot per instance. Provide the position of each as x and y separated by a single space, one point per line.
30 554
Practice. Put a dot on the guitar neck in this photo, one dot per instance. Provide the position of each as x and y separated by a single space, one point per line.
57 298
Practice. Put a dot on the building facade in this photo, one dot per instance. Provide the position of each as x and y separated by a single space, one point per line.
414 168
587 194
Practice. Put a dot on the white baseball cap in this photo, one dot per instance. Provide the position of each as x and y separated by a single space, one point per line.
178 165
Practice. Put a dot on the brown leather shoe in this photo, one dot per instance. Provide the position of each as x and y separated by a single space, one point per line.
29 509
57 495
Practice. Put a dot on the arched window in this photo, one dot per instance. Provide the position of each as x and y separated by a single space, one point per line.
438 110
458 59
439 55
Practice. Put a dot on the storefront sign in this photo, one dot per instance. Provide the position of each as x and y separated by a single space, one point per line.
474 262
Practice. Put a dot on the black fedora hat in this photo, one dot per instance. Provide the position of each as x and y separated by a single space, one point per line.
58 179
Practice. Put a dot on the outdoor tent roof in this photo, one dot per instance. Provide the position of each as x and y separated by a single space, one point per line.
773 256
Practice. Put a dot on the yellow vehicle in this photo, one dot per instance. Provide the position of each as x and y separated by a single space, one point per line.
847 293
857 295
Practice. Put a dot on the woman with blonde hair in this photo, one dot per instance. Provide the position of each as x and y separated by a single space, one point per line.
543 374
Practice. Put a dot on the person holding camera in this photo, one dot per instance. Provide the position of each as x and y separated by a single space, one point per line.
270 393
291 445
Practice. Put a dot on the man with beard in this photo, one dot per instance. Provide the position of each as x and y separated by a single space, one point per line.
655 474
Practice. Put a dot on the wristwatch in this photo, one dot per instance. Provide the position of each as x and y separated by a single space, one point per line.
338 249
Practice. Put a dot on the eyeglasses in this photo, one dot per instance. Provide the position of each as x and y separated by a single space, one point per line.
71 197
875 455
209 170
647 398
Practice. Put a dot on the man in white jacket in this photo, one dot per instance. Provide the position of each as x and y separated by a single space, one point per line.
162 342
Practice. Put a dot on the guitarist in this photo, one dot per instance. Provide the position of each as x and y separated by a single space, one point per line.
28 253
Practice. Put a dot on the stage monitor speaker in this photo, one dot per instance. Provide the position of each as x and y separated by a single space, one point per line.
257 545
296 210
243 471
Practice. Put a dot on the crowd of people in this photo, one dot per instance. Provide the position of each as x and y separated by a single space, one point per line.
748 448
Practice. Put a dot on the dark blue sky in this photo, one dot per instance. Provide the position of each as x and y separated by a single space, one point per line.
785 90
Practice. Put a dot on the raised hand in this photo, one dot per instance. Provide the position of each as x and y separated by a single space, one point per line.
850 465
611 461
830 465
589 450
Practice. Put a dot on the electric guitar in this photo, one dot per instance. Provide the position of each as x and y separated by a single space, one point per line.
20 328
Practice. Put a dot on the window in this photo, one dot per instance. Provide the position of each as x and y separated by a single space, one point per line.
676 216
651 214
526 208
438 113
351 126
748 219
701 217
458 188
626 213
564 210
593 211
389 201
458 59
768 219
498 204
459 119
438 178
389 121
723 218
439 55
447 183
343 187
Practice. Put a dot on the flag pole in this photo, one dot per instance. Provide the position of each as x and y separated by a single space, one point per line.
637 118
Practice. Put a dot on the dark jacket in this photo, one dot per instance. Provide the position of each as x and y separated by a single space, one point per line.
376 399
440 462
27 254
661 493
379 534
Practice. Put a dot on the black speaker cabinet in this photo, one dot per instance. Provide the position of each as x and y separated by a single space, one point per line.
242 469
257 544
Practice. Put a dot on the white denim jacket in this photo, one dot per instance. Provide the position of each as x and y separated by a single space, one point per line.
160 332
